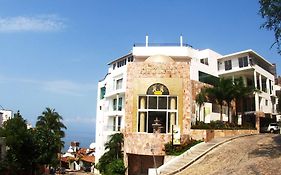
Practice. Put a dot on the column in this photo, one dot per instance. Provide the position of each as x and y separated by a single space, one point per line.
172 121
267 86
142 122
255 78
260 82
172 114
142 114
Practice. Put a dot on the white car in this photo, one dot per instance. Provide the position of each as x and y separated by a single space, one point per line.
272 127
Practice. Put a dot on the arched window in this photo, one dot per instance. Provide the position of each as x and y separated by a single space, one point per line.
157 104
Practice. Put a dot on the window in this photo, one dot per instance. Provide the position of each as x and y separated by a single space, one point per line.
102 92
266 102
120 104
130 59
243 62
114 104
114 66
157 106
119 83
207 78
121 63
204 61
116 123
263 83
227 65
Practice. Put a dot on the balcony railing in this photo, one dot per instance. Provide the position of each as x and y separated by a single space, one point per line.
161 44
112 128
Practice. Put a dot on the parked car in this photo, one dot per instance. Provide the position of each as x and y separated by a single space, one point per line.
272 128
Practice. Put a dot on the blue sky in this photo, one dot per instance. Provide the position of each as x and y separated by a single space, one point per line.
53 52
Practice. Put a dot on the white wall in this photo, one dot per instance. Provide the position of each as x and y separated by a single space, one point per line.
6 115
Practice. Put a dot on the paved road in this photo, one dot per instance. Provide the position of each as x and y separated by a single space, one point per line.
257 155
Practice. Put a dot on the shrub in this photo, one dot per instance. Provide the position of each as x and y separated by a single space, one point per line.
116 167
221 125
176 150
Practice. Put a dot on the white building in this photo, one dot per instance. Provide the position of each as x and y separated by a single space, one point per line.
255 71
183 71
5 115
111 89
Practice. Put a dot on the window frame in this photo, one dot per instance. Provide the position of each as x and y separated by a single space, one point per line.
227 65
158 108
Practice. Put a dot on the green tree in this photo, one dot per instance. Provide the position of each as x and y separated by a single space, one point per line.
200 100
22 154
271 11
228 95
220 93
111 162
241 92
50 131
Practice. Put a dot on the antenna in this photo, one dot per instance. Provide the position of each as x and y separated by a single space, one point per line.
181 40
146 40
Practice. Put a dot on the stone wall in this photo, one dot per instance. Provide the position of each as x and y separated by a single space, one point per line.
142 143
196 89
207 135
141 75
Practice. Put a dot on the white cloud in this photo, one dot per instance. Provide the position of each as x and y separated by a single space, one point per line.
68 87
80 120
42 23
64 87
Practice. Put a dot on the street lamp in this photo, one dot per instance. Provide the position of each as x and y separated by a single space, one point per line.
156 129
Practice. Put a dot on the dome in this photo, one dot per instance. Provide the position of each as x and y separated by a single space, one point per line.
159 59
92 145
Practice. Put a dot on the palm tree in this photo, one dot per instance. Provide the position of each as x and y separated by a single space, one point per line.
51 120
200 100
111 162
240 92
221 93
228 94
114 145
50 124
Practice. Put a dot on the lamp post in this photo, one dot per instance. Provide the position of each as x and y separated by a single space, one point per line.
156 129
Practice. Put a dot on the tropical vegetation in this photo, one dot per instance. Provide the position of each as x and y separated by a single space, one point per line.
176 150
224 92
271 11
111 162
216 125
31 149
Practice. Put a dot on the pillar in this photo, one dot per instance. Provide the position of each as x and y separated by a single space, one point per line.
142 122
172 121
260 82
142 114
172 114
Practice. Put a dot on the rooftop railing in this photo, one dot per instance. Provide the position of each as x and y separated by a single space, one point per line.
161 44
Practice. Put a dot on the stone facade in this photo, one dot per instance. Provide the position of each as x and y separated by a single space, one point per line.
140 76
196 88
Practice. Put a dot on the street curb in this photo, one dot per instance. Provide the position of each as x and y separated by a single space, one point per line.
205 152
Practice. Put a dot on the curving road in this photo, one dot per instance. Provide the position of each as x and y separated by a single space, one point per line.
257 155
